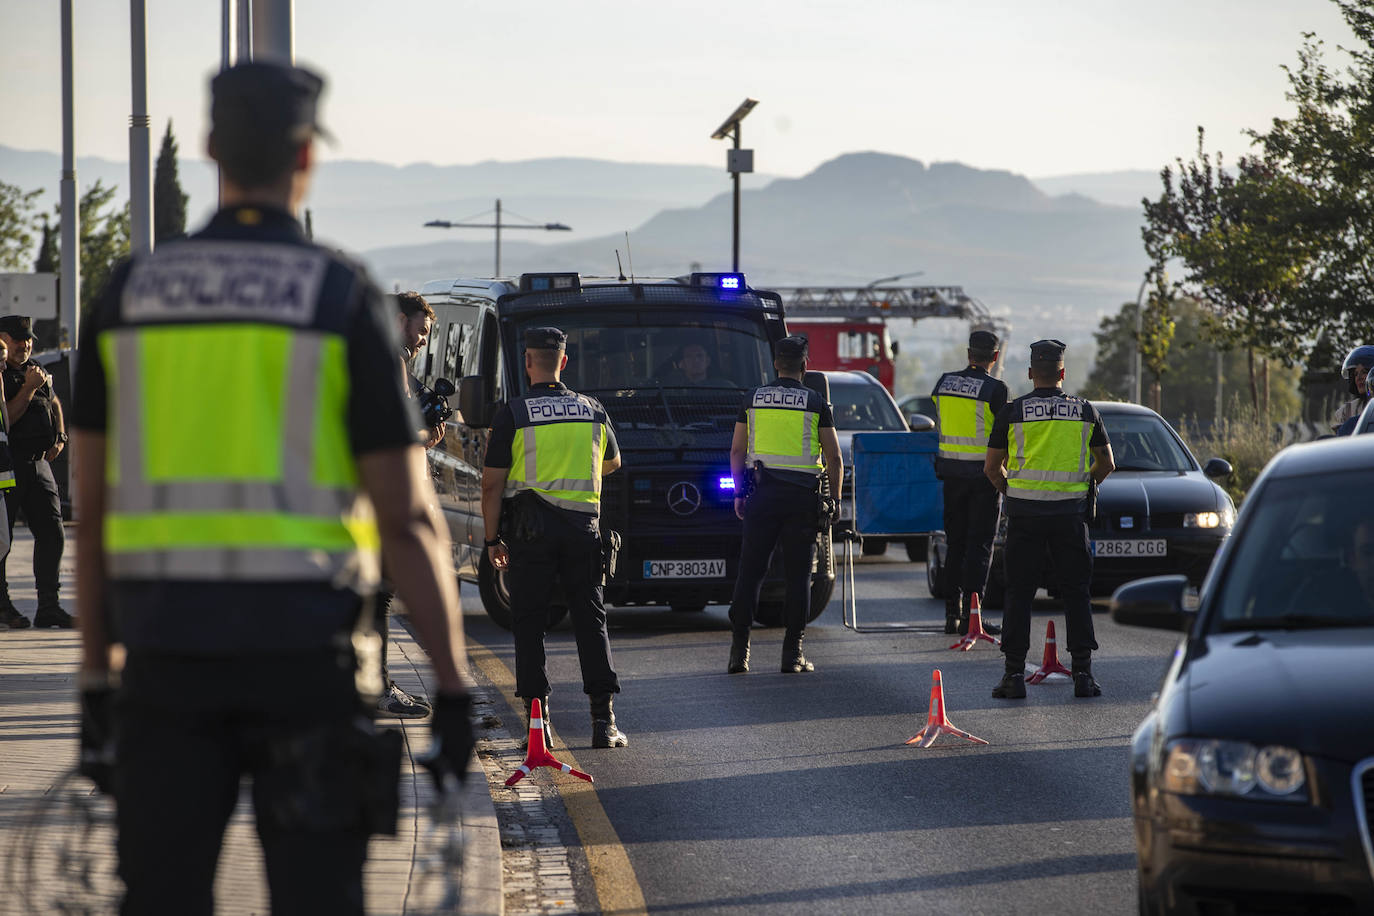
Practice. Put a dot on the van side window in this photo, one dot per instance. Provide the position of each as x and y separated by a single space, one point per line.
454 344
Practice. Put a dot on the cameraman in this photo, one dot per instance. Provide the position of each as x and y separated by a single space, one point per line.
415 318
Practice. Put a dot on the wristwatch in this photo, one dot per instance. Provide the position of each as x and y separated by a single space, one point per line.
493 542
62 437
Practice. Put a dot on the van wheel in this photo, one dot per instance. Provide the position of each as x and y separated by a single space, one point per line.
769 613
935 571
492 585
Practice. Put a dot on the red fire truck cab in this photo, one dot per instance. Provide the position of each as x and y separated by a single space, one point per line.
840 343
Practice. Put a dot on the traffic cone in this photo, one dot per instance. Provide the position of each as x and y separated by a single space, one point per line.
538 754
937 723
1051 663
975 628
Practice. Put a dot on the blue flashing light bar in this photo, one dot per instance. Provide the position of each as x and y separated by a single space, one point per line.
726 483
545 283
729 282
725 282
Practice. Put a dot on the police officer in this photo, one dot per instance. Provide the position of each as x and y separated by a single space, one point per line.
1039 459
1355 371
784 438
966 402
37 436
237 407
541 504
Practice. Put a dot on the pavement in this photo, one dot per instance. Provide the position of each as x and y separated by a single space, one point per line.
50 821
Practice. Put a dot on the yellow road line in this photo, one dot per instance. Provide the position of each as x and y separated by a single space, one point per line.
617 888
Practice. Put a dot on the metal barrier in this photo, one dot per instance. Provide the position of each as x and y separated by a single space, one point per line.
896 494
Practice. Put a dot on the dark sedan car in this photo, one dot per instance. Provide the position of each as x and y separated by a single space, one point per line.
1252 778
1159 512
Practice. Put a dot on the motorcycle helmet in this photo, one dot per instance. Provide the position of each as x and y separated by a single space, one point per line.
1360 356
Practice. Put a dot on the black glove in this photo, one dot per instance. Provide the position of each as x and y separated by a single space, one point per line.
97 737
452 737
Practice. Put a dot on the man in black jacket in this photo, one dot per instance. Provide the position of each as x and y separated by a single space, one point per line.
37 435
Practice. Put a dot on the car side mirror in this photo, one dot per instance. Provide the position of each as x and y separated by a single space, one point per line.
1216 468
920 423
474 400
1156 602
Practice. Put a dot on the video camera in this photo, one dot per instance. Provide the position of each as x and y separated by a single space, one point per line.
434 407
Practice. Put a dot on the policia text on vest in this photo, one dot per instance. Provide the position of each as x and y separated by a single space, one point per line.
965 404
541 508
784 440
1046 452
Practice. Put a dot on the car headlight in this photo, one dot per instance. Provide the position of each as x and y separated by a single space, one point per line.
1223 519
1235 769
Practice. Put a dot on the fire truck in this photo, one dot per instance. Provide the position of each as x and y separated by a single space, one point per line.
847 326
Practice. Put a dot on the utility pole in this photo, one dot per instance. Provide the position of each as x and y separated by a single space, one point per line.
140 164
71 210
736 161
498 226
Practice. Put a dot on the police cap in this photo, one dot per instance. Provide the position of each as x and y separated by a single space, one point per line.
791 347
545 339
265 100
1048 351
982 340
17 326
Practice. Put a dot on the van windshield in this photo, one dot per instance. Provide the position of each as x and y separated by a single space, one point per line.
615 351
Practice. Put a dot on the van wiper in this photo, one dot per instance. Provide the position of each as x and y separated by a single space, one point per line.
1297 622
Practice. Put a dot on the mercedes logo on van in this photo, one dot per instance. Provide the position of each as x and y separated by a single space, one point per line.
684 498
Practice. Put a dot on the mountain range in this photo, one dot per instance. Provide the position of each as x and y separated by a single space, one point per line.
1055 252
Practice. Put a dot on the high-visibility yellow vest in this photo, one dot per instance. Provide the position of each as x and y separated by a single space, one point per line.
964 419
1048 455
228 454
6 457
784 426
560 442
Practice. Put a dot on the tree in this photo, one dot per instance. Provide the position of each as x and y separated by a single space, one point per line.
169 201
16 226
104 240
49 260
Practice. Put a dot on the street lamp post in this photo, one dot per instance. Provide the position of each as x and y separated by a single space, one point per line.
736 161
498 226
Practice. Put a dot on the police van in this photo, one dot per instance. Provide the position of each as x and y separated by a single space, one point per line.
671 360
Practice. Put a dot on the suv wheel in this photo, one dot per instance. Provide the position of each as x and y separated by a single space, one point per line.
495 591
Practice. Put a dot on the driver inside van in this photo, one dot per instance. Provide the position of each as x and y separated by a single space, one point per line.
692 366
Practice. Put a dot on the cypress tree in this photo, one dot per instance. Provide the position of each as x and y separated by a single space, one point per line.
169 201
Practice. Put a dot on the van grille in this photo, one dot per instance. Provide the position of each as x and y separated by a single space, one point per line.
1362 792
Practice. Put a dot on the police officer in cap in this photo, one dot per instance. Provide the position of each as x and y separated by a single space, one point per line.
784 437
237 408
1046 451
541 504
966 403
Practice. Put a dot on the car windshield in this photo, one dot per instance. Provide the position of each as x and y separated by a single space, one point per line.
1144 443
1305 557
621 351
863 407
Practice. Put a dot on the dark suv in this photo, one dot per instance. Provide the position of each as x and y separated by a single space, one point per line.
637 347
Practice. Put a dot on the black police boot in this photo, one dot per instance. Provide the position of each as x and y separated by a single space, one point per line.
739 652
1083 683
1011 687
604 732
52 615
952 609
793 662
11 618
544 714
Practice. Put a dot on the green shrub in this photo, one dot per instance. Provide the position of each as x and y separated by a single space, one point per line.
1245 441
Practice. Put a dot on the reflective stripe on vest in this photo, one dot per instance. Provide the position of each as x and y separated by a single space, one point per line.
560 457
964 423
229 457
1050 459
6 458
783 433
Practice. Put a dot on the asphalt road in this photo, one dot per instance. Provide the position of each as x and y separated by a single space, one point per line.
767 793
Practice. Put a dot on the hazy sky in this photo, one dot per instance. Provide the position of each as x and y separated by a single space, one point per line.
1041 87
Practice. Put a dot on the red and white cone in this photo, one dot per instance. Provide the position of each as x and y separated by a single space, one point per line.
1050 667
975 628
937 723
538 754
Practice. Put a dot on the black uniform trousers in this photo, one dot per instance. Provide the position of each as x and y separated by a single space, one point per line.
970 525
190 726
570 554
776 513
35 494
1057 544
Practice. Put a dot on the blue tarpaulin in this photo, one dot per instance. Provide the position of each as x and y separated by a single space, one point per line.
895 488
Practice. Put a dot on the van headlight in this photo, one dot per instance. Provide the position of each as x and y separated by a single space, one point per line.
1235 769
